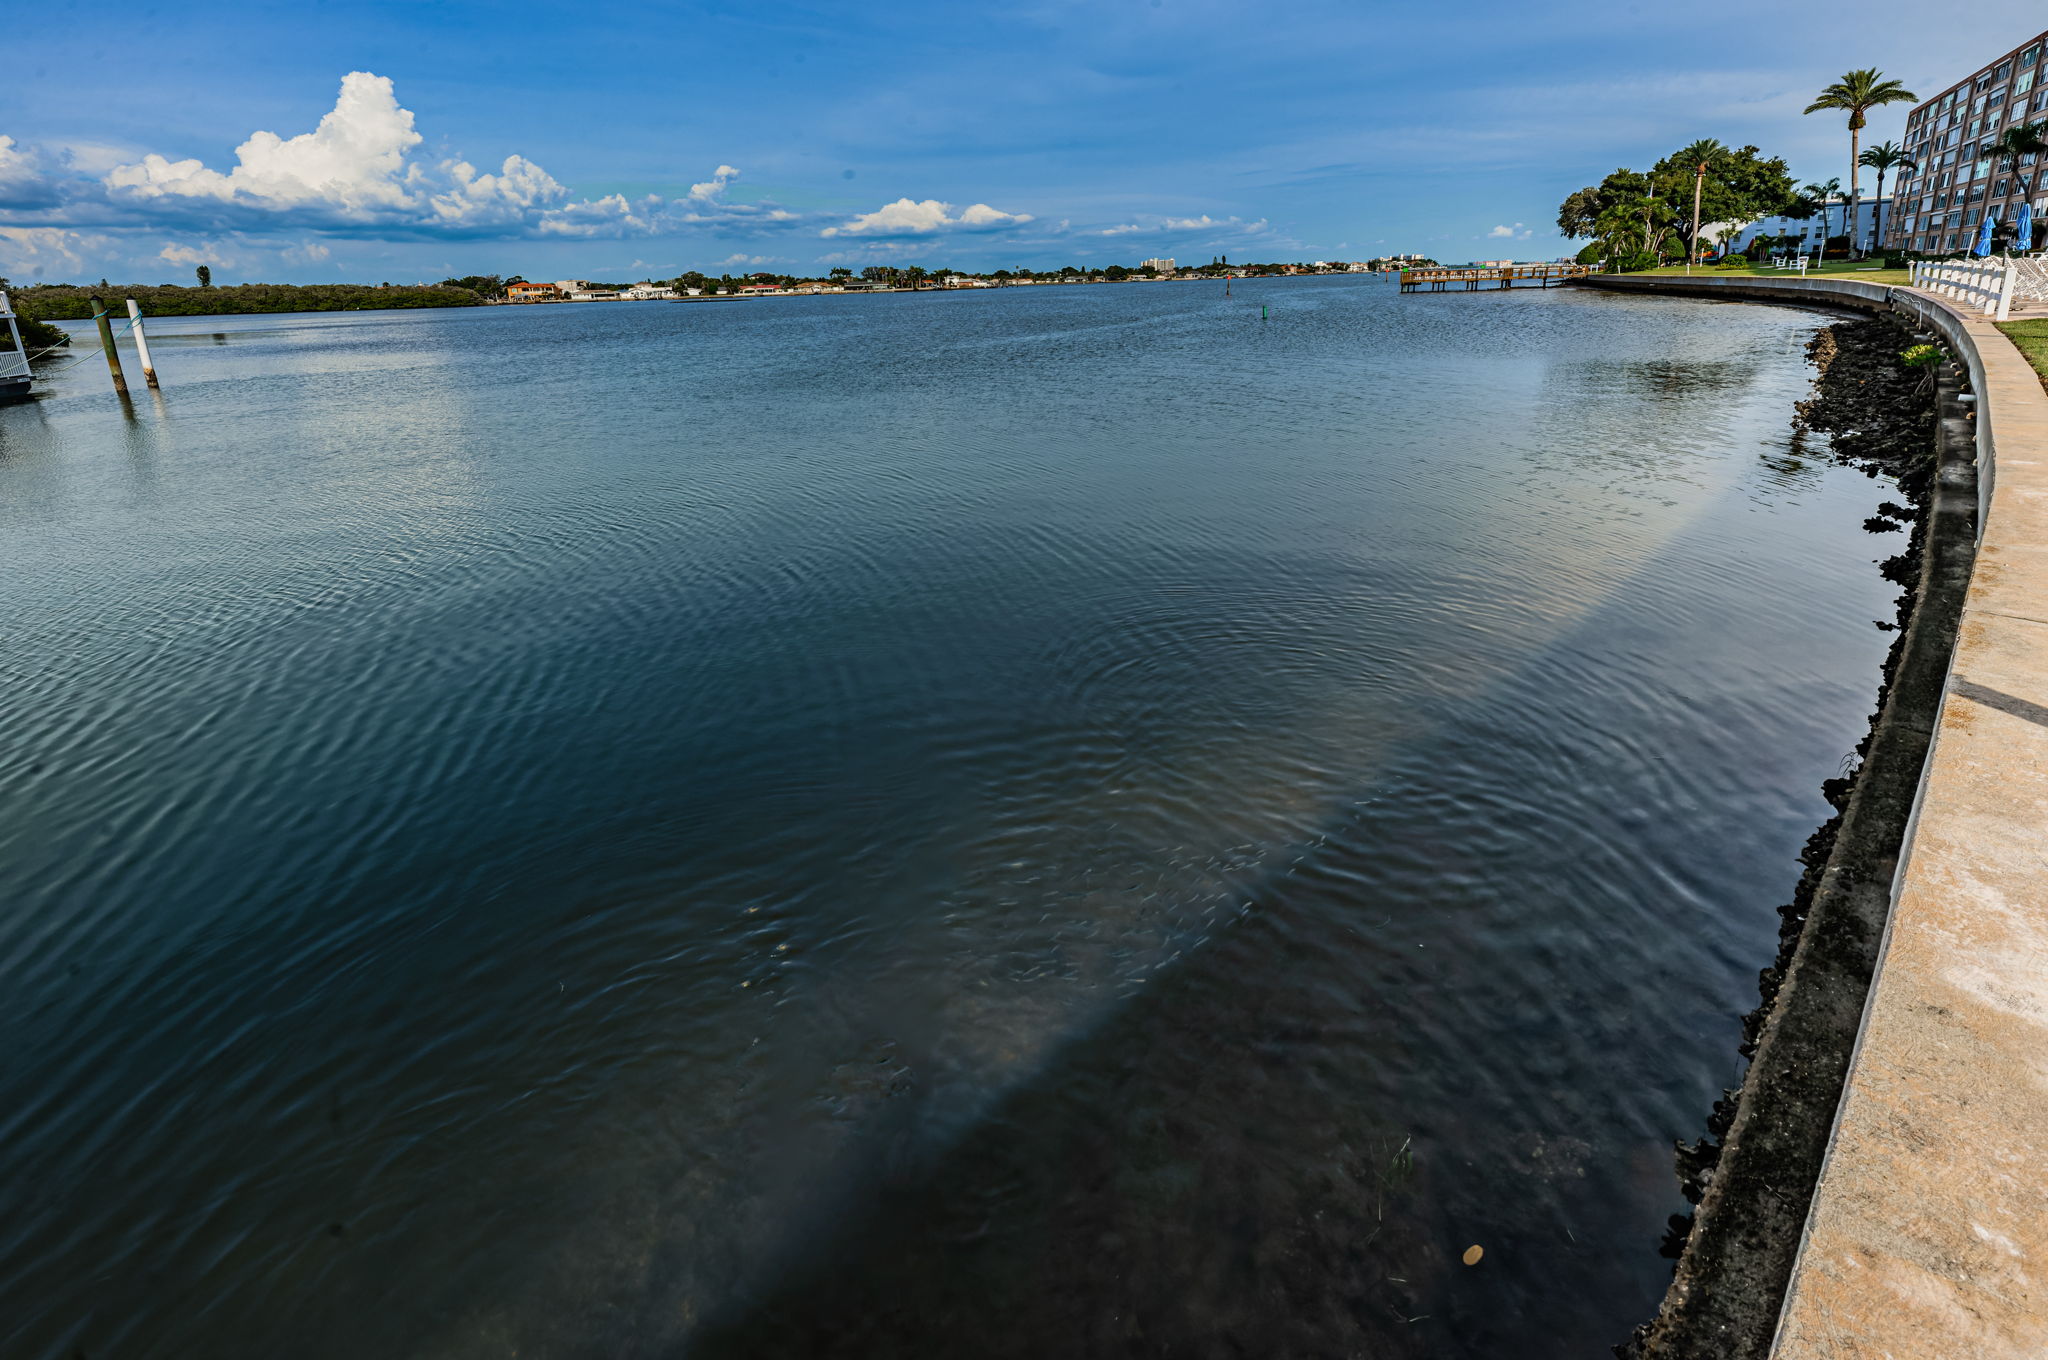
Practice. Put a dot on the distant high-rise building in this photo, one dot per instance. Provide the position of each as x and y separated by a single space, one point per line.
1942 204
1164 266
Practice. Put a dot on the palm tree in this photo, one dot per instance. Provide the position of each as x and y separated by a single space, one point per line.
1819 195
1856 93
2022 140
1883 157
1702 156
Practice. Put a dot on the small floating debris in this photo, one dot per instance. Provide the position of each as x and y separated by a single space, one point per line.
1472 1255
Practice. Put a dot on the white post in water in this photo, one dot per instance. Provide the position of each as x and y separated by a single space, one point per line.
141 343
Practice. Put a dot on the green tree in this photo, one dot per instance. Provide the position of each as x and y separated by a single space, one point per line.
1884 158
1741 183
36 334
205 276
1817 199
1584 211
1695 161
483 285
1633 230
1856 93
2019 145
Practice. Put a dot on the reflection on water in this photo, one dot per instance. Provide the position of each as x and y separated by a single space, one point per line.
1067 821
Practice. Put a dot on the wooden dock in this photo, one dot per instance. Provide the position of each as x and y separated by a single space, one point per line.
1490 280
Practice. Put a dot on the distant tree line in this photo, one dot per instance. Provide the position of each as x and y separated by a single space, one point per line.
921 276
73 302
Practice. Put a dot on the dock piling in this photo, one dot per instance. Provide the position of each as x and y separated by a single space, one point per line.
141 344
99 315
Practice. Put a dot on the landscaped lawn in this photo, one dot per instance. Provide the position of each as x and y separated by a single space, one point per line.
1865 271
2031 339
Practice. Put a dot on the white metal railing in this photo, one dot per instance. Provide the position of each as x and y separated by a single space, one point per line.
1986 284
2030 278
14 361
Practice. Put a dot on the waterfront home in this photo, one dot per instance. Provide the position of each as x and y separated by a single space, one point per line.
646 292
531 292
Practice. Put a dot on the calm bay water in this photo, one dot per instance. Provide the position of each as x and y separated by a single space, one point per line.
1063 822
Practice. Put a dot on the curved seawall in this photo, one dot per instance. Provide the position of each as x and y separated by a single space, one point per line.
1882 1188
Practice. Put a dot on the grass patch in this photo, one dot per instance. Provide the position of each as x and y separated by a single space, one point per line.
2031 339
1866 271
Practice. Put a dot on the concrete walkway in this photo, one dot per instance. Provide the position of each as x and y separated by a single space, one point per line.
1928 1235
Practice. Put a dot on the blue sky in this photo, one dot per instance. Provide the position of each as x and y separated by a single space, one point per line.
596 139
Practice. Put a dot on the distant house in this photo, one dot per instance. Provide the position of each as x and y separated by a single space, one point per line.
531 292
759 288
646 292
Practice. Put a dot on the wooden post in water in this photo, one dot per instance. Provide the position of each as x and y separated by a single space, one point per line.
141 343
99 314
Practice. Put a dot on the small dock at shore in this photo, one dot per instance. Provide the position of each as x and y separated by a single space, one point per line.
1491 279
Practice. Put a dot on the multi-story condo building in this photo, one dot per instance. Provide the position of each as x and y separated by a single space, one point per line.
1805 233
1164 264
1942 205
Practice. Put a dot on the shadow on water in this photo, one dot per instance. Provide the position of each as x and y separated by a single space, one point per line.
1411 1041
1237 1164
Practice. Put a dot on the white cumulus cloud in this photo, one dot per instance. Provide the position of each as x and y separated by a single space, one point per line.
355 174
518 187
713 187
1514 233
355 159
46 250
905 217
16 162
188 256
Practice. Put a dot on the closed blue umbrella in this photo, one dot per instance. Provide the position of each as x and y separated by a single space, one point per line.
2026 237
1984 237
